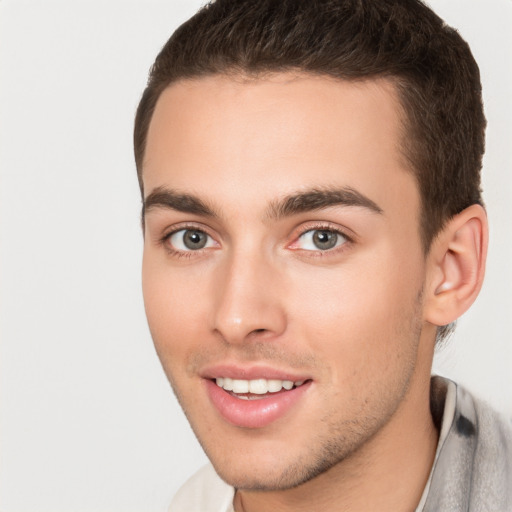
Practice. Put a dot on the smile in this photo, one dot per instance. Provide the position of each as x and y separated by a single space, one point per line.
257 402
245 388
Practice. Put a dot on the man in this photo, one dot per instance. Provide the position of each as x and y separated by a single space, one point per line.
313 223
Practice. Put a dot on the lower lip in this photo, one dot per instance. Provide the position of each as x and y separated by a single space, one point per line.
254 413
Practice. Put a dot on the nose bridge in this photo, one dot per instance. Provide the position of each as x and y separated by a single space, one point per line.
247 297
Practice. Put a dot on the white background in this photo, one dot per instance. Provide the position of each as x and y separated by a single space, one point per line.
87 419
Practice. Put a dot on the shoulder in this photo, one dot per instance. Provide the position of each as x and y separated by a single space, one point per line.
490 432
203 492
473 466
492 461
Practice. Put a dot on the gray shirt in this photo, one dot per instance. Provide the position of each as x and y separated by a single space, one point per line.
472 470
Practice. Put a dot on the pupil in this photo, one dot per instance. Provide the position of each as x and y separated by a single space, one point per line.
325 239
194 239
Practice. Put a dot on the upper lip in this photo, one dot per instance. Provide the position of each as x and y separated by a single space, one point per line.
252 372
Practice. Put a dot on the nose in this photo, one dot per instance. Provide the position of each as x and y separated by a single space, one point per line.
248 303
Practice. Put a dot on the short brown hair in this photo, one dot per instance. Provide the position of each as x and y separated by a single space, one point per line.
437 78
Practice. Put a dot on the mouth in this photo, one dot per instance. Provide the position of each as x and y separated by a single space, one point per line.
257 401
255 389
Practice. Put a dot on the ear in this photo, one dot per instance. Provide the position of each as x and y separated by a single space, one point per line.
456 266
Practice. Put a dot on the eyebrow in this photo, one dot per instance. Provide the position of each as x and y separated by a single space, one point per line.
319 199
162 197
293 204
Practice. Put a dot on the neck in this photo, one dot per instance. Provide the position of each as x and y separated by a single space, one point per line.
388 473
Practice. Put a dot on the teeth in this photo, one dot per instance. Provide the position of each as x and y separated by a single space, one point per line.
240 386
274 386
256 386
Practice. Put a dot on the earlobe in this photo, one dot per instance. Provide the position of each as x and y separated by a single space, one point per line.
456 266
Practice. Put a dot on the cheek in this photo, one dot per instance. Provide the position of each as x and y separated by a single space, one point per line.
175 312
361 317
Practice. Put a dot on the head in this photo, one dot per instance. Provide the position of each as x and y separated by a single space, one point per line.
310 171
430 65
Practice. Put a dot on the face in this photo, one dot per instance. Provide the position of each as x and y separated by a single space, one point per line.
283 269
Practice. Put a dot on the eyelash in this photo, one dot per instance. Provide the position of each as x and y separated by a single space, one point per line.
349 240
164 240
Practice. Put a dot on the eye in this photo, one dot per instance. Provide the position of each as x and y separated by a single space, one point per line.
190 240
319 240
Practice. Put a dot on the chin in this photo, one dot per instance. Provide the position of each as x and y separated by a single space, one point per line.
253 480
277 474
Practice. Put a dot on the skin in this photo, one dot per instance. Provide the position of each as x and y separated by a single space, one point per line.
354 318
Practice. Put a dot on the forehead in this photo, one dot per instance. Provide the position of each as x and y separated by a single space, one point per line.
262 137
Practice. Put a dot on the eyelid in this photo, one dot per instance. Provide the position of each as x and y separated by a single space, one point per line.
185 226
193 226
304 228
180 245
